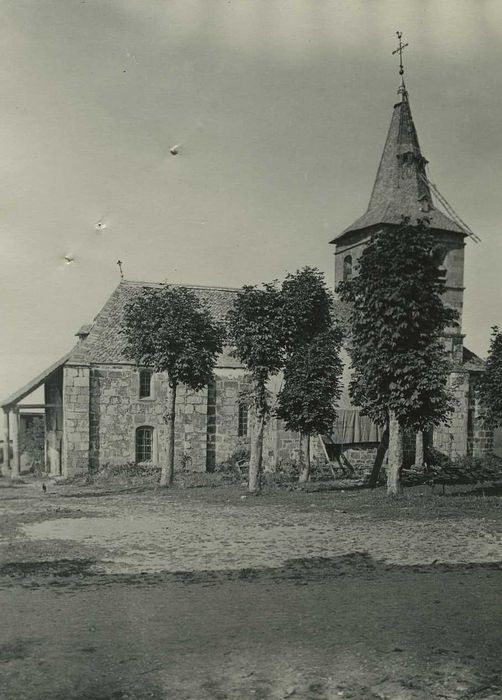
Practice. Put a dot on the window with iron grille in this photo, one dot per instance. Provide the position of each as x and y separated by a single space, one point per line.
145 384
243 420
144 444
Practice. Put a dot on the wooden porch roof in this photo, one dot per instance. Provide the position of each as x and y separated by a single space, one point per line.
40 379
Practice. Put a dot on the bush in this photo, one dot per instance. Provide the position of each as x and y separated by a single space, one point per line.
130 473
442 470
287 470
236 464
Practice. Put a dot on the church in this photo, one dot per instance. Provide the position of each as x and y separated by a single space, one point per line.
100 409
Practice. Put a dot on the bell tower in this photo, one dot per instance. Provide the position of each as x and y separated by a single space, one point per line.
402 192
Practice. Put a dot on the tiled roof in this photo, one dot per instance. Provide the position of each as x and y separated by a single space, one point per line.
105 344
401 187
471 361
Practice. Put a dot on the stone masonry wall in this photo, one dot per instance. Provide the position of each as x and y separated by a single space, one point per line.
452 439
75 420
117 411
223 433
279 444
207 422
479 435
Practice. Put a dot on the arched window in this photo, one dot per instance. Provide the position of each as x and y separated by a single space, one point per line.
243 420
347 268
145 384
144 444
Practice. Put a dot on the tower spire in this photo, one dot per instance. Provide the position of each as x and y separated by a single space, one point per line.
402 88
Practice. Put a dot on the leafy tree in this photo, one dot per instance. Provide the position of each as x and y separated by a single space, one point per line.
306 307
312 367
400 365
311 388
255 332
168 330
490 383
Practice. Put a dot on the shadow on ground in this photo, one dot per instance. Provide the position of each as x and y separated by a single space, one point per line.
86 572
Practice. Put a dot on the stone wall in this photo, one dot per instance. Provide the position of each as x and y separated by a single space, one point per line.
75 420
223 425
116 412
479 435
360 456
279 444
207 422
451 439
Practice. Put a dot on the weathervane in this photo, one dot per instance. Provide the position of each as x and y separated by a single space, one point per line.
119 263
399 50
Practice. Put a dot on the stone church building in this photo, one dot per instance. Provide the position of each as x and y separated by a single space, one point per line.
100 409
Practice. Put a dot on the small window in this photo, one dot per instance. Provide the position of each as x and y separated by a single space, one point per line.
243 420
425 205
439 256
144 444
145 384
347 268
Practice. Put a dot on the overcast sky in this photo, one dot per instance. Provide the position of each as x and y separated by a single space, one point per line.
280 109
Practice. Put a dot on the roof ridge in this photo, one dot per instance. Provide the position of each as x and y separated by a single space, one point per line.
139 283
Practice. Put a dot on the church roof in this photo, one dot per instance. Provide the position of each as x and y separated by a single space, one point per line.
401 187
105 344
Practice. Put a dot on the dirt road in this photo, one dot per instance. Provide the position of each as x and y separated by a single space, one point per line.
207 595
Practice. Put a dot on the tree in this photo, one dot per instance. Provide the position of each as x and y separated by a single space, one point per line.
306 307
311 388
490 383
254 331
400 365
312 368
168 330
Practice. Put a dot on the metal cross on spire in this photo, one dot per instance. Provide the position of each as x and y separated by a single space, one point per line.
399 50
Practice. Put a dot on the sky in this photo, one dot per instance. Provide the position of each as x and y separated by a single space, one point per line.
279 110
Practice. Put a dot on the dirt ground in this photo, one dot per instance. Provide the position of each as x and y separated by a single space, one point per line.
206 593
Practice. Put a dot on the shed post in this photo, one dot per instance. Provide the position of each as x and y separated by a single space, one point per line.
16 451
6 442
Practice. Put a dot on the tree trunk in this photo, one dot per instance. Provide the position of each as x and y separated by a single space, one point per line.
167 473
256 451
379 457
395 460
304 458
419 449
